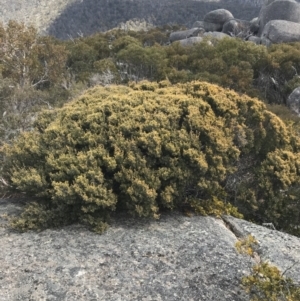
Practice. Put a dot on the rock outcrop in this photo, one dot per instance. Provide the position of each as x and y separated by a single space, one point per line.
254 39
293 101
213 35
173 258
214 20
184 34
288 10
278 248
236 28
254 25
278 22
279 31
199 24
191 41
70 18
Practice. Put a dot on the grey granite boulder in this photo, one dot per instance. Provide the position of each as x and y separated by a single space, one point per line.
212 35
214 20
265 41
287 10
278 248
254 39
184 34
198 24
254 25
237 28
293 101
280 31
267 2
216 35
191 41
173 258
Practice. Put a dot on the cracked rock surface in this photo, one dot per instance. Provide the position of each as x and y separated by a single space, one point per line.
174 258
278 248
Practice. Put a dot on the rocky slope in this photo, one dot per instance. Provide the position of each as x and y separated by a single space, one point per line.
70 18
174 258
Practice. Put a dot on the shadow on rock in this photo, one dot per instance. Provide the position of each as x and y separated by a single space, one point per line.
86 17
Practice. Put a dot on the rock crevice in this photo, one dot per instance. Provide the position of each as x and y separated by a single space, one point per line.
174 258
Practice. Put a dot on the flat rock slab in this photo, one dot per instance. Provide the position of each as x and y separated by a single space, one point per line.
278 248
174 258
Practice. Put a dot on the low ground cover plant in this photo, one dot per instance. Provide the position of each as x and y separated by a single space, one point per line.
266 281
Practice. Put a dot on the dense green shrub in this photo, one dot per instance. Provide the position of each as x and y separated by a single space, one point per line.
270 73
229 62
151 147
29 59
32 73
279 75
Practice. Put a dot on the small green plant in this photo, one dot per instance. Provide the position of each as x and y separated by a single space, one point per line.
247 245
266 282
215 207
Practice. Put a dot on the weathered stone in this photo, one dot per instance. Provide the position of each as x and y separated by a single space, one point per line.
265 41
287 10
254 25
214 20
279 31
280 249
198 24
184 34
173 258
293 101
191 41
254 39
216 35
236 28
267 2
66 18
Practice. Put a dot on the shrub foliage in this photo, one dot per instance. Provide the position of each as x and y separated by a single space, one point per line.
266 282
151 147
38 72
